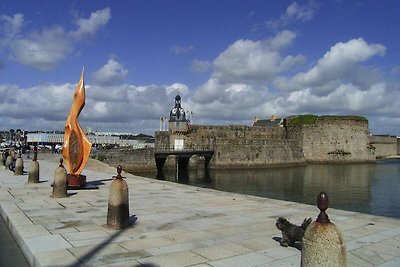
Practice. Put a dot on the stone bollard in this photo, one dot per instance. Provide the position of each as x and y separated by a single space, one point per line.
19 166
323 243
3 159
12 152
33 176
9 161
118 202
60 181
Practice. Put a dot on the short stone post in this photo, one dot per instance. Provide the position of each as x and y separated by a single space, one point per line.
12 152
33 176
60 181
118 202
9 161
3 159
19 165
323 243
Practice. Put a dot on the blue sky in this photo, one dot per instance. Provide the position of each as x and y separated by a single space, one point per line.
229 60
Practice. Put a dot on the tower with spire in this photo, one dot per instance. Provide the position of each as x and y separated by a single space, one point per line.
178 123
178 126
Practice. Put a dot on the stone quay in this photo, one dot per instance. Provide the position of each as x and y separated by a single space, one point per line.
177 225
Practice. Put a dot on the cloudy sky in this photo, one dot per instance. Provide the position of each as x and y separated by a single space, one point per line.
229 60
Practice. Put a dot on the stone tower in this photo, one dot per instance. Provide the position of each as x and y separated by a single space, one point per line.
178 125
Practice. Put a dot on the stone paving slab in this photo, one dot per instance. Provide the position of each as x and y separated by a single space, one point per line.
178 225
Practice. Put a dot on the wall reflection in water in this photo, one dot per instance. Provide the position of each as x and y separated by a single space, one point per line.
367 188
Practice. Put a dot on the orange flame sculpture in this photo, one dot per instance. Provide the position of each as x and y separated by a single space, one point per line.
76 147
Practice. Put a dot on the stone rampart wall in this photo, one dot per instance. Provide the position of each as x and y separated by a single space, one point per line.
129 159
200 136
272 153
245 146
238 145
384 145
327 140
398 146
236 132
333 140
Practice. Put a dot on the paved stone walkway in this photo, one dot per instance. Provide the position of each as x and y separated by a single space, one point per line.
178 225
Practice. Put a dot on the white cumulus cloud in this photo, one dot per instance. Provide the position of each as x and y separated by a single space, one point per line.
248 60
178 50
11 26
340 63
294 12
200 65
44 49
257 78
111 73
122 107
89 26
177 88
247 80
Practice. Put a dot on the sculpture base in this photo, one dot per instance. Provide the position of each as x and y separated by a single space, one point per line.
76 181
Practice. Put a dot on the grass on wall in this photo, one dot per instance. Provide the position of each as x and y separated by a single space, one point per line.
301 119
312 119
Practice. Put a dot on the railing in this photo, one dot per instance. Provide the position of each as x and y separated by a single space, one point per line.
165 148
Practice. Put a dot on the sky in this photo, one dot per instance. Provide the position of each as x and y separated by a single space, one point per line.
230 61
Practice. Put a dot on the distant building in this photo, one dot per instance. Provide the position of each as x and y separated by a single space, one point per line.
96 140
272 122
43 138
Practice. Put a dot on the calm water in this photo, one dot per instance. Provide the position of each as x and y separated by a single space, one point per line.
367 188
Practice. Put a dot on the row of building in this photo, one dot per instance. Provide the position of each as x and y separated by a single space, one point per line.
97 139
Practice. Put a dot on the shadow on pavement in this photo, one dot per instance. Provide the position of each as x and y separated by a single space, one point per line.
85 258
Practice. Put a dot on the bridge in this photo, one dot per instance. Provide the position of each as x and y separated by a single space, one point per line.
182 157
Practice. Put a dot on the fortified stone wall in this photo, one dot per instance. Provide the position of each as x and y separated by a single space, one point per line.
235 146
385 145
268 153
129 159
244 146
210 136
333 140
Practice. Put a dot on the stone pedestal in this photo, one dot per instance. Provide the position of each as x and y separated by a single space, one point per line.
60 181
76 181
33 176
19 166
8 162
323 243
118 203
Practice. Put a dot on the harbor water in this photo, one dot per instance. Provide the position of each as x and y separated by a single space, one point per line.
368 188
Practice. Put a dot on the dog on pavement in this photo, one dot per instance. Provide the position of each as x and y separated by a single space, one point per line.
291 233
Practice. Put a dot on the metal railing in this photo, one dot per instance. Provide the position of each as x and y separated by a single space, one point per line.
165 148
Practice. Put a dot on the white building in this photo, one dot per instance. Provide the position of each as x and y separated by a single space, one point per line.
108 139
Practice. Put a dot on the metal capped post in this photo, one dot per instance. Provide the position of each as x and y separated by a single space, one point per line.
19 165
323 243
118 202
3 159
60 181
33 176
9 161
323 204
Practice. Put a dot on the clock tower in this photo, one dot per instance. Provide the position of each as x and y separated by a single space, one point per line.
178 125
177 114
